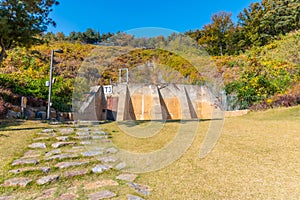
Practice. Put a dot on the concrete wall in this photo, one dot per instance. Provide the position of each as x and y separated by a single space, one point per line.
94 107
149 102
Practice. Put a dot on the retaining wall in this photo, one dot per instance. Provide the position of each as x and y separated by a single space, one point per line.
149 102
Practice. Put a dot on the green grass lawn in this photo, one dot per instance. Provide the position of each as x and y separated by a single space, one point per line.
256 157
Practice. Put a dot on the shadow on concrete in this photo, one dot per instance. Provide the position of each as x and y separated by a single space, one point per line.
165 112
191 107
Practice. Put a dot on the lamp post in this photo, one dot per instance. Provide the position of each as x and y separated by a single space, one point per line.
50 81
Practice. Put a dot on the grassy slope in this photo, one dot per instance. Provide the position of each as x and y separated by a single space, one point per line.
257 157
14 138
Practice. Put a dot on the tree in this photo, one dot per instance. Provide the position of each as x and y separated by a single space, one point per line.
196 35
217 34
90 36
250 23
22 21
262 22
72 36
106 36
282 16
49 36
60 36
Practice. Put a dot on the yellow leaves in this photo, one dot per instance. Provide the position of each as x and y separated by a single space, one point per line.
271 46
269 101
254 82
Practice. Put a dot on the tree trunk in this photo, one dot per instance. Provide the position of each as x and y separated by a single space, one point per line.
3 50
221 49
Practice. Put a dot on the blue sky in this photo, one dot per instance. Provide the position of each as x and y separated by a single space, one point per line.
112 16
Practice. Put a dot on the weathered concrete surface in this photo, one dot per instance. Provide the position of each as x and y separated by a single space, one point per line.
150 102
93 108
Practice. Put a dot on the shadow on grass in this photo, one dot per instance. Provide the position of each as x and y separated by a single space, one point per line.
7 123
22 129
4 124
132 123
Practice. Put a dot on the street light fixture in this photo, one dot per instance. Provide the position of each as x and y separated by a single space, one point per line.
50 81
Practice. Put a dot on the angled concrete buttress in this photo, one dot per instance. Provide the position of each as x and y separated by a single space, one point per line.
149 102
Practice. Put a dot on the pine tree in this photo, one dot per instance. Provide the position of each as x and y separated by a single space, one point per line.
22 21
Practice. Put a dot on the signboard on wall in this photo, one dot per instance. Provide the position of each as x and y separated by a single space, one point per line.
107 89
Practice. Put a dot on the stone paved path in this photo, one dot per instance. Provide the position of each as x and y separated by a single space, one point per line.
61 155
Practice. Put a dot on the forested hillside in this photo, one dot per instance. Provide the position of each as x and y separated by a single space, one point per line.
258 57
262 77
25 72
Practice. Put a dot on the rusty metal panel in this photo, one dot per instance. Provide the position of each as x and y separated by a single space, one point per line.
112 108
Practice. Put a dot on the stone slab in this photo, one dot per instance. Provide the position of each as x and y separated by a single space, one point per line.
105 141
111 150
23 182
82 133
62 138
47 179
141 189
100 133
55 123
29 169
99 137
69 174
67 196
91 153
127 177
100 168
108 159
47 194
101 183
133 197
25 162
66 131
62 156
53 152
61 144
48 130
83 129
86 142
82 137
38 145
120 166
102 195
62 165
